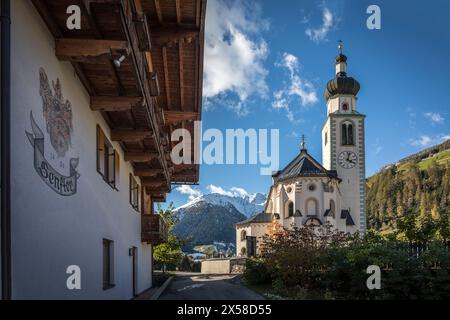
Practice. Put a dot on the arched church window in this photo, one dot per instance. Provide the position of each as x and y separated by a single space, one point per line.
311 207
348 134
290 209
350 140
344 134
332 208
243 235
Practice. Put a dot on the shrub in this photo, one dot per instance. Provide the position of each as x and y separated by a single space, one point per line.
256 272
310 264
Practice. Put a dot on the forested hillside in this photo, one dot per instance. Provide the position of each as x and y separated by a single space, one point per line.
417 185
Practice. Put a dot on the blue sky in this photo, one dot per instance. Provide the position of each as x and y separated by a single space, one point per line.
267 64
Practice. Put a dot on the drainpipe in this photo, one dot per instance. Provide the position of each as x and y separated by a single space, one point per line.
5 177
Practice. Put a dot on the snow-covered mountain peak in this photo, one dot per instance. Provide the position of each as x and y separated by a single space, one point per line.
248 205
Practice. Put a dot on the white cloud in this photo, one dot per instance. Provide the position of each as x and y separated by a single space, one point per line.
233 192
377 150
320 33
297 87
219 190
240 191
234 54
427 141
188 190
434 117
377 147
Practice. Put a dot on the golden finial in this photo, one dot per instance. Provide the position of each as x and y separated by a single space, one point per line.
303 144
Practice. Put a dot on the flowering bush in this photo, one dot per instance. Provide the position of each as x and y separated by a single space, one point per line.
321 263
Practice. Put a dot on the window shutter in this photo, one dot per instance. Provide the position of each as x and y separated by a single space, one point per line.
116 169
131 189
138 196
100 151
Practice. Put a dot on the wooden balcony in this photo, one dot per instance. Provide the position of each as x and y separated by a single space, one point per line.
154 229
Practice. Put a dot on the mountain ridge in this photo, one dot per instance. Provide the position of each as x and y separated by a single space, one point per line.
211 218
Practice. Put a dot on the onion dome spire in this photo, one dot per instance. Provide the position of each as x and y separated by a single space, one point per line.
341 84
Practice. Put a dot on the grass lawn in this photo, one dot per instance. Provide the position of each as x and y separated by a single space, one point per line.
441 158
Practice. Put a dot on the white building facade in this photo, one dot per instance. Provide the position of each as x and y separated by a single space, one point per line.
64 212
89 130
308 192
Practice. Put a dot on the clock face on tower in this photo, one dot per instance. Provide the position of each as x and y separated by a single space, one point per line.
347 159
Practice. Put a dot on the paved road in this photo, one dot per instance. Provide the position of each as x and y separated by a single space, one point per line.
208 287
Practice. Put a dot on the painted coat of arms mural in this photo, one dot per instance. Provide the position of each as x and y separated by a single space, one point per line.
57 113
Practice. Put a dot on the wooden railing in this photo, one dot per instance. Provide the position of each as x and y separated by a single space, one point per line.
154 229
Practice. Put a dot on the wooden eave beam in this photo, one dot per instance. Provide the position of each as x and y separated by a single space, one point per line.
199 52
54 28
153 183
141 156
166 76
157 190
174 117
85 49
116 79
184 179
85 6
138 7
160 197
158 11
178 11
145 173
167 36
48 18
181 68
130 135
112 104
198 11
138 58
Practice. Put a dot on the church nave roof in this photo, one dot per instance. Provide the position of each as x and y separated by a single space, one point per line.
304 165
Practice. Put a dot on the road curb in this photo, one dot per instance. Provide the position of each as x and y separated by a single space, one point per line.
159 292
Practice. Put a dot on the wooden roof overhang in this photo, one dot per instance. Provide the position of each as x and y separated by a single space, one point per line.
158 86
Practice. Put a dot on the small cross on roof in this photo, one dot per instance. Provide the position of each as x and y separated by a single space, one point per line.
340 46
303 144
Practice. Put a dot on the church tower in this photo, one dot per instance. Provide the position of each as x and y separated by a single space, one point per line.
343 141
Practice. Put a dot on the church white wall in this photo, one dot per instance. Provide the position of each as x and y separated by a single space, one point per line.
353 180
257 230
335 104
327 136
51 232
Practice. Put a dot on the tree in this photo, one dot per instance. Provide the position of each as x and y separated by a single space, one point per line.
169 253
407 226
443 226
426 228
